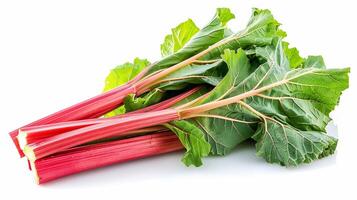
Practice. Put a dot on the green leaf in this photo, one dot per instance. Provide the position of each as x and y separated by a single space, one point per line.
299 100
292 55
279 101
238 69
179 36
288 146
226 127
124 73
322 87
274 98
132 103
281 33
314 61
192 139
300 90
120 75
224 15
213 32
224 134
210 73
261 30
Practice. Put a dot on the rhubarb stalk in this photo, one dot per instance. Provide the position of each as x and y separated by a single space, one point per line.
32 134
73 138
83 158
82 110
116 127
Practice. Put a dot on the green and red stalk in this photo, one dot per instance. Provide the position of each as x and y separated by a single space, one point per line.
137 87
83 135
76 137
81 109
83 158
27 139
67 113
32 134
134 133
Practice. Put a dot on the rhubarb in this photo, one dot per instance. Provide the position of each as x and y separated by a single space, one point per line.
32 134
81 110
83 135
207 42
212 88
83 158
307 95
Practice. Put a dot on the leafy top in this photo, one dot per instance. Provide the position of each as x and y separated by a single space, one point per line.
268 91
179 36
124 73
291 107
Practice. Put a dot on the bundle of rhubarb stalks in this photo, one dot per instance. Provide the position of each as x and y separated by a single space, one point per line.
212 89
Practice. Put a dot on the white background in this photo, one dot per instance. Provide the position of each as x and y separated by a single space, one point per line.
53 54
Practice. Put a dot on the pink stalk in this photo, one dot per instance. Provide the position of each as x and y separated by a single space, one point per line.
83 110
69 139
80 108
80 136
83 158
33 137
32 134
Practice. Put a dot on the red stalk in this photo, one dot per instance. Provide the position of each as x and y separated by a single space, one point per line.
83 158
32 134
80 136
33 138
92 107
76 137
63 115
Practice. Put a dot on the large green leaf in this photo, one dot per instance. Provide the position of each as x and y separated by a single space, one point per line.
261 30
226 127
278 101
213 32
288 146
179 36
291 104
120 75
192 139
320 87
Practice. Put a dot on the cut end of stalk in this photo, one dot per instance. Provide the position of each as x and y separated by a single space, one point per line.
22 138
29 153
13 136
34 171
